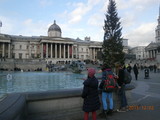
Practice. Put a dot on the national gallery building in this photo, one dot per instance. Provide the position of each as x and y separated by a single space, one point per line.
52 48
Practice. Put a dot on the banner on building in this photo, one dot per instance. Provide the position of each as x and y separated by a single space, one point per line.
70 50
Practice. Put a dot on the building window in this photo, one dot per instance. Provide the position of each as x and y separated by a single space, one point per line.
13 47
20 47
13 55
27 47
82 56
20 55
32 55
139 56
38 55
26 55
87 57
82 49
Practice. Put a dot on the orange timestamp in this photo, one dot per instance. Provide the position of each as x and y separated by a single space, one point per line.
141 107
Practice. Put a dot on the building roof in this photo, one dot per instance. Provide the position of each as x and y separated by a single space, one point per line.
152 45
54 27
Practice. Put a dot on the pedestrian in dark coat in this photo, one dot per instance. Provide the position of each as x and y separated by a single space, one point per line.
135 69
121 92
90 95
129 68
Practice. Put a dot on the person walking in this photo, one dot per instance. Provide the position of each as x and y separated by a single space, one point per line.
129 68
121 93
90 95
155 68
135 69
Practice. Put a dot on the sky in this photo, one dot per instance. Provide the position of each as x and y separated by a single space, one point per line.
80 18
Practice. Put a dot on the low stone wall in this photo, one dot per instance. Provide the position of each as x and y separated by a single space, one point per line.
48 105
12 107
54 105
6 65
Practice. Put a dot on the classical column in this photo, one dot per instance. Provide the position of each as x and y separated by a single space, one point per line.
94 50
64 56
68 50
59 50
42 51
55 50
76 51
90 53
3 50
30 50
46 50
51 51
72 51
152 54
155 53
149 54
9 50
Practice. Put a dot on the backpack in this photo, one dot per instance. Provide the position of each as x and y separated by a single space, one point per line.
127 77
110 82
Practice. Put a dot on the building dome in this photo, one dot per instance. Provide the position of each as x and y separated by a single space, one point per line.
54 30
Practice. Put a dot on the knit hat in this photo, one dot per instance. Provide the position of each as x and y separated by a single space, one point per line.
91 72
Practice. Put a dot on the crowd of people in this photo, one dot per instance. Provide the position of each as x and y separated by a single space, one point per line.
90 93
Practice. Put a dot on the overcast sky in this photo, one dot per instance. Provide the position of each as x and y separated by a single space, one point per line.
80 18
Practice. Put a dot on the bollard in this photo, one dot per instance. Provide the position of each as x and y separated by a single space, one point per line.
146 73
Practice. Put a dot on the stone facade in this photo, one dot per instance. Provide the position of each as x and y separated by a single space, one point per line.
139 52
52 48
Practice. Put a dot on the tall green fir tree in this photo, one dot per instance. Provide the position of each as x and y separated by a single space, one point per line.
112 43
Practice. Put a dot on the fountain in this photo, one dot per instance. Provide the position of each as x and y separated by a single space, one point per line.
17 82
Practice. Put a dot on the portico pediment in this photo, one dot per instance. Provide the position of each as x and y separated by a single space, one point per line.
152 46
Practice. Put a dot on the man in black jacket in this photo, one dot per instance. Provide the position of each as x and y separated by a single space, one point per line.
122 95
